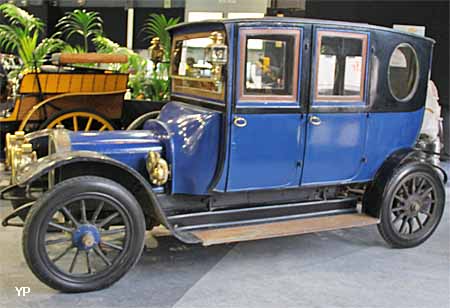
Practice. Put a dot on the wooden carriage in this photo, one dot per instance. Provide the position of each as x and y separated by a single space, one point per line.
80 98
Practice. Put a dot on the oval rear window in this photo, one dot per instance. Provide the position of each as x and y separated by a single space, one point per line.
403 72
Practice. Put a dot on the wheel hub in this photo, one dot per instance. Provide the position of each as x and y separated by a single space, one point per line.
86 237
413 205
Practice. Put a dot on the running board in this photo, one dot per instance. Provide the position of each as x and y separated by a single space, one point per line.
262 213
282 228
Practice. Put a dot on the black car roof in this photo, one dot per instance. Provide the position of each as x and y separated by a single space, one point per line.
291 20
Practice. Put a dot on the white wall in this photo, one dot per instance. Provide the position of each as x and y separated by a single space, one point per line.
226 6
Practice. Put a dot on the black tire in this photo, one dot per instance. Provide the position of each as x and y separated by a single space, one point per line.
411 206
64 111
68 195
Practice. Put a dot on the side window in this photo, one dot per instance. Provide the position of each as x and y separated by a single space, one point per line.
269 65
403 72
340 66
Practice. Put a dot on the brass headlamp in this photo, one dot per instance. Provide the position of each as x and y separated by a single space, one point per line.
13 141
19 152
157 168
10 141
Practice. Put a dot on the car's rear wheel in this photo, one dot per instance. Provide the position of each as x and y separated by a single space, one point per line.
84 234
412 206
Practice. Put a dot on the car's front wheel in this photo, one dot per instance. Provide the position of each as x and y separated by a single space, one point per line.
84 234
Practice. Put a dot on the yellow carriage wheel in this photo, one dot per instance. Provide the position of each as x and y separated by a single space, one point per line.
77 120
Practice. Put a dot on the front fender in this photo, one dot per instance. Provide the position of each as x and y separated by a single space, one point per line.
44 165
123 174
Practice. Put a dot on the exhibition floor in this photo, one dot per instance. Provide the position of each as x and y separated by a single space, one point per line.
345 268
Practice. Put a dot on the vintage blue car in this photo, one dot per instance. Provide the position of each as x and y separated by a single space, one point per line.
275 127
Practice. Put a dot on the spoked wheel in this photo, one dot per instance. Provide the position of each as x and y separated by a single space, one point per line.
84 234
78 120
412 207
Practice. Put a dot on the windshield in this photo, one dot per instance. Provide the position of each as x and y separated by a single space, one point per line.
197 62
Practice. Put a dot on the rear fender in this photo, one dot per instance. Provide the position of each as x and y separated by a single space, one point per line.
374 193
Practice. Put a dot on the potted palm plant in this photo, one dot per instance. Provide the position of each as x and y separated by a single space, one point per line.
21 34
156 27
81 23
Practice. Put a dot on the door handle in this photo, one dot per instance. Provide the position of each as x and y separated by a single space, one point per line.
240 122
316 121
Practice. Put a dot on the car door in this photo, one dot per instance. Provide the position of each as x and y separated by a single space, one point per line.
268 120
337 119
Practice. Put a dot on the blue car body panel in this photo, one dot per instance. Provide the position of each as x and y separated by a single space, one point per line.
334 149
128 147
222 170
195 134
269 160
387 133
190 136
352 147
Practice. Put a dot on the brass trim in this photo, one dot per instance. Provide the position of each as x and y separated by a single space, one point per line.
240 122
193 79
59 140
314 120
158 168
20 154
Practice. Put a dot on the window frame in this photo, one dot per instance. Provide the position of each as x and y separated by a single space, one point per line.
246 34
416 77
364 37
195 92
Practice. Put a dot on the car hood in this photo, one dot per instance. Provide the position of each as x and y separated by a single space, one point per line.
128 147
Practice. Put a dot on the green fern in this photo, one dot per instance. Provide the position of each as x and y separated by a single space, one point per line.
106 45
82 23
21 18
21 34
73 49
